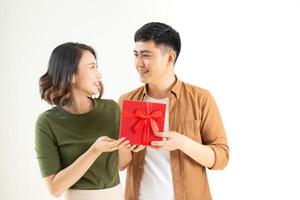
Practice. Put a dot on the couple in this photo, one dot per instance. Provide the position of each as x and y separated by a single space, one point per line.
77 141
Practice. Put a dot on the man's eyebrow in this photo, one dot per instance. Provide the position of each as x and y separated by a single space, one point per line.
142 51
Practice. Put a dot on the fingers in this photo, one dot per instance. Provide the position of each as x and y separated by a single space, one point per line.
138 148
152 147
121 143
163 134
118 142
158 143
132 147
106 139
112 144
124 144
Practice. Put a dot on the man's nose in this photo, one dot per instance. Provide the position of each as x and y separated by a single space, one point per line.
139 62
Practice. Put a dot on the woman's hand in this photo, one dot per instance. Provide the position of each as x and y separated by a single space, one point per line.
106 144
136 148
125 155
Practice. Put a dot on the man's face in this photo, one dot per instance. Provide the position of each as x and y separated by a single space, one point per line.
151 61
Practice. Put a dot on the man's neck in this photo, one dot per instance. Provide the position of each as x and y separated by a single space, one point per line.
161 89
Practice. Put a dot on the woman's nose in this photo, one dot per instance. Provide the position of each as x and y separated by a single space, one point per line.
99 75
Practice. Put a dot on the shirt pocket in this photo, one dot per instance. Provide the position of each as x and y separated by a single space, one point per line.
191 129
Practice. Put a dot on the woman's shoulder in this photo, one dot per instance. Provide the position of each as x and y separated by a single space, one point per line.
46 115
107 104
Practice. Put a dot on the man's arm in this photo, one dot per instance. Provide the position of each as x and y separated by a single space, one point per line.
202 154
213 151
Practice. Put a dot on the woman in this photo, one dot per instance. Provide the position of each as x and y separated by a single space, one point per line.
76 140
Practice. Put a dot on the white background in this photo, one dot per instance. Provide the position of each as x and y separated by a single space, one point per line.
246 53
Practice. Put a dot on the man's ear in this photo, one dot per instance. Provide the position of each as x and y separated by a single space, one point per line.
171 57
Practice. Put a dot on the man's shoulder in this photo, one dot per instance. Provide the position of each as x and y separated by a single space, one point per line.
133 94
190 88
196 94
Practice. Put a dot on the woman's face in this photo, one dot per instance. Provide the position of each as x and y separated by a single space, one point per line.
87 79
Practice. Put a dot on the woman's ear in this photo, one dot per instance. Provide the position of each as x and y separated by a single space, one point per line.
73 80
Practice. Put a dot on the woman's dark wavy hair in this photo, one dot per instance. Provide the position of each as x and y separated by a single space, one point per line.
55 84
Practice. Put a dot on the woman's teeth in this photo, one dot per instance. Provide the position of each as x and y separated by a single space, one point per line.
143 72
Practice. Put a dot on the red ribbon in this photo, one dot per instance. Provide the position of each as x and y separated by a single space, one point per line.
147 120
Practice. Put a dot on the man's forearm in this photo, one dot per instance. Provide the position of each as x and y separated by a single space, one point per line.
202 154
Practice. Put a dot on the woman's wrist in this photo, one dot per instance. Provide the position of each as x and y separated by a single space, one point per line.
95 151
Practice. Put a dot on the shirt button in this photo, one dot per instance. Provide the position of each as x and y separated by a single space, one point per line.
140 166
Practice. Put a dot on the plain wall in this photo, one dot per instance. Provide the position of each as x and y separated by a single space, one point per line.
246 53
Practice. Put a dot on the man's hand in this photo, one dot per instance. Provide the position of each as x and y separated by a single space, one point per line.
172 141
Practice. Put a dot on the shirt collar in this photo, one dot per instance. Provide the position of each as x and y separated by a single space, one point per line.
175 90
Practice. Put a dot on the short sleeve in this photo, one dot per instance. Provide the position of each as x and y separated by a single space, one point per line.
46 148
118 115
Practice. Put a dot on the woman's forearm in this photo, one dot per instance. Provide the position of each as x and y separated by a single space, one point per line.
124 158
67 177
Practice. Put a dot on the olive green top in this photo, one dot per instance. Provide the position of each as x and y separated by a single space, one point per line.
61 137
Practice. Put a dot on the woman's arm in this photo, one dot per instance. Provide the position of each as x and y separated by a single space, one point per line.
124 158
63 180
125 155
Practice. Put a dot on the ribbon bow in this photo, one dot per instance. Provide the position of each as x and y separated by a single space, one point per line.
147 120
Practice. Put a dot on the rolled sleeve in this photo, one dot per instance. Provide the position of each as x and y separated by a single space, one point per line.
213 132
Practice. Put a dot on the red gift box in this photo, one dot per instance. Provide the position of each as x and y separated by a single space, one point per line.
140 120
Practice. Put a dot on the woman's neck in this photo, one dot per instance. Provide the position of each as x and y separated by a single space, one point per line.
80 104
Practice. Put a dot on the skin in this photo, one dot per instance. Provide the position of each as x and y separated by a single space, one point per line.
155 65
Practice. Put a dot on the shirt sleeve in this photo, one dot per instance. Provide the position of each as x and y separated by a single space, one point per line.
117 135
46 148
213 132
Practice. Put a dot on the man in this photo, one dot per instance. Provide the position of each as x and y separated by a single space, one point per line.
194 137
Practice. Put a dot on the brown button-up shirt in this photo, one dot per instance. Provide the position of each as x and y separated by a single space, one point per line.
194 113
